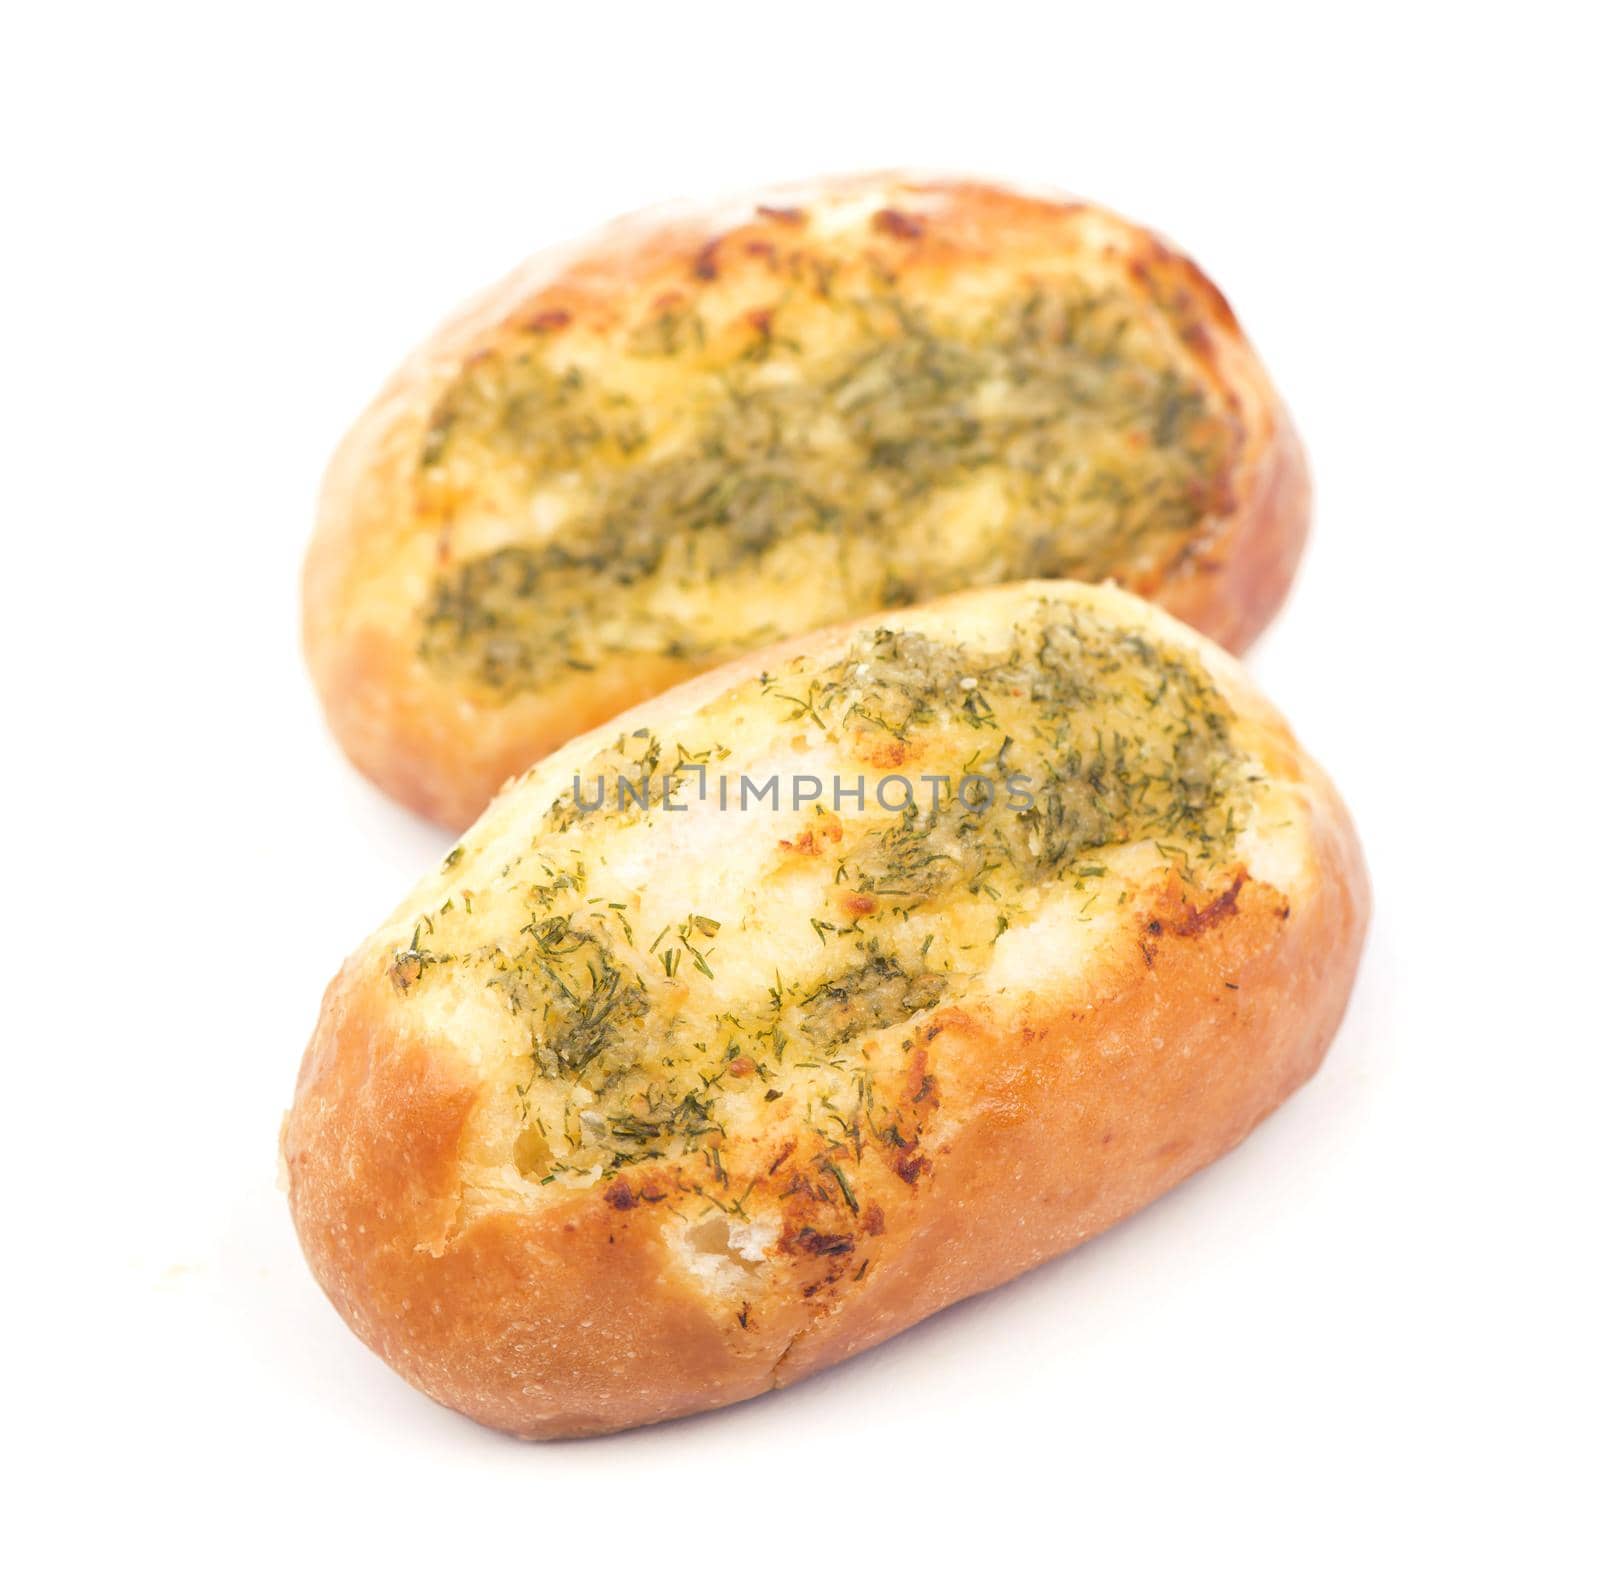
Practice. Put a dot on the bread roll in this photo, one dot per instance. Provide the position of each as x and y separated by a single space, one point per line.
701 432
855 977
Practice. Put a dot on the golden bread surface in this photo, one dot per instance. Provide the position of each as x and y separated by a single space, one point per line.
701 432
824 990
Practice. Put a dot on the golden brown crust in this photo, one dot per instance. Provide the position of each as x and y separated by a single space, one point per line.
568 1322
443 747
1045 1116
1095 1105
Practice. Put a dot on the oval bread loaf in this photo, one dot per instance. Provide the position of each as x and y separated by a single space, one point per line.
701 432
829 988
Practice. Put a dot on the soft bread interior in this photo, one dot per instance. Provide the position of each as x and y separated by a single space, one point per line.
704 982
806 429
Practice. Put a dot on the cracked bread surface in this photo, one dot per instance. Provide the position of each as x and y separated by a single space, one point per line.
653 1098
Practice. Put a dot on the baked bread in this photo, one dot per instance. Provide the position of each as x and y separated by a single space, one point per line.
729 1042
701 432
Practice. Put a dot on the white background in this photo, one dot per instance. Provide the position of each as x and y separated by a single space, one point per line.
1364 1341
